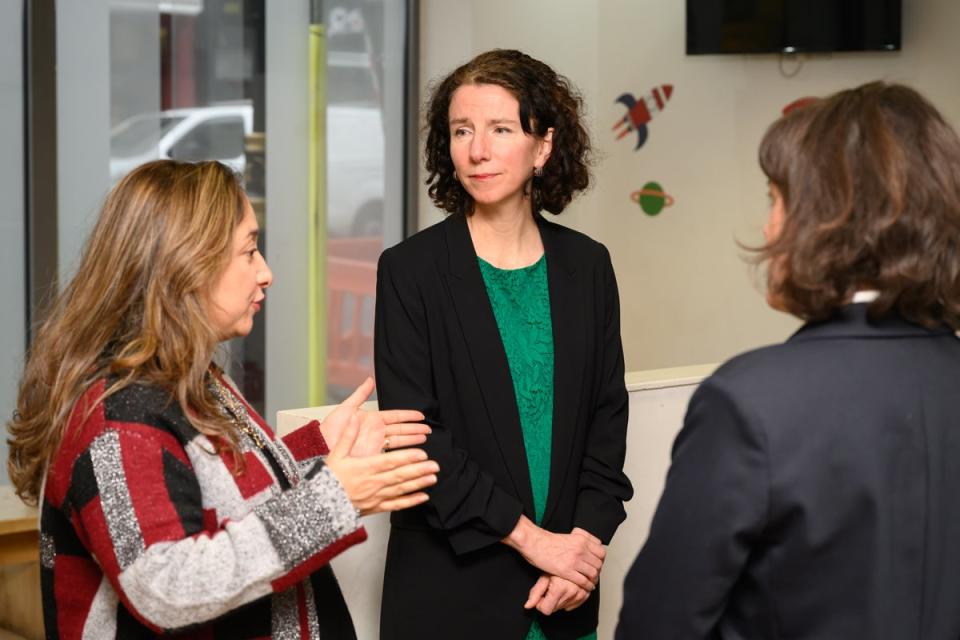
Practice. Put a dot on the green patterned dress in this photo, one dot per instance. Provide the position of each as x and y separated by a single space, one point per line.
521 305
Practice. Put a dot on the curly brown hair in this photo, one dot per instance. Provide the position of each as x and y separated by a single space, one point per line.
547 99
870 179
136 311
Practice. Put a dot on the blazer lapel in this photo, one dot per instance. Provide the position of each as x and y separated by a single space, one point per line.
567 315
482 336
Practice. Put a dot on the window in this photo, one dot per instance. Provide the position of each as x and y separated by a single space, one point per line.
139 80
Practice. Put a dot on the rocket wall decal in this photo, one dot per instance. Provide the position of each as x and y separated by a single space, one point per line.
640 112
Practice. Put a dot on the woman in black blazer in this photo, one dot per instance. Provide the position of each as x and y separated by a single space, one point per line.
503 328
814 486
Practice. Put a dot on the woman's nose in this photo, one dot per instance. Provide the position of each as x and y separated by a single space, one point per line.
479 148
264 275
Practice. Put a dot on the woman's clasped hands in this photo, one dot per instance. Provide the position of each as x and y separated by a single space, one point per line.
570 562
370 457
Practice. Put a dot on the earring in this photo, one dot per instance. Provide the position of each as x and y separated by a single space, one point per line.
537 172
456 177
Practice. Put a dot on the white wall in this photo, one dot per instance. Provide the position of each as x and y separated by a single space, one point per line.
687 296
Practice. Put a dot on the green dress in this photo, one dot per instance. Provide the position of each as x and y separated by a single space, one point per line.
521 305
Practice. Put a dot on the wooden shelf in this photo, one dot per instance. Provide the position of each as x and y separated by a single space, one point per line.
15 517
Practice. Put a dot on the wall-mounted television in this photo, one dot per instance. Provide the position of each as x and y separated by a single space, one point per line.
787 26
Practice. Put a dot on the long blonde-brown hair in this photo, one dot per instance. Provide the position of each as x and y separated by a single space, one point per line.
135 310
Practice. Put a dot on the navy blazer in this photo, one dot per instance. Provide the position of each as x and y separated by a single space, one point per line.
438 349
813 494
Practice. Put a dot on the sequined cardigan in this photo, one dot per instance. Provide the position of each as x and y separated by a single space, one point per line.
145 531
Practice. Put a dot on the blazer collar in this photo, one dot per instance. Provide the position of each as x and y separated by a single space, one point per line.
487 355
851 321
550 234
462 260
461 256
568 312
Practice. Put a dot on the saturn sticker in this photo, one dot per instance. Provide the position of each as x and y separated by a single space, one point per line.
652 198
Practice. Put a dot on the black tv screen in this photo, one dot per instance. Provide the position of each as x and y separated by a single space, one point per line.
772 26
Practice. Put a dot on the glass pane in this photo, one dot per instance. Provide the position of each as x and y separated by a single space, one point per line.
362 34
186 82
12 229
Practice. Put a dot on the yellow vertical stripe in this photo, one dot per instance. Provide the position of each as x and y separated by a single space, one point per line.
317 226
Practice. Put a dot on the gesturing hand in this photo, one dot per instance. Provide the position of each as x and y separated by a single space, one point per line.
575 556
383 482
552 593
397 428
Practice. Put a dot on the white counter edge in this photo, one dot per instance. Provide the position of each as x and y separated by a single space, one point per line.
669 377
289 419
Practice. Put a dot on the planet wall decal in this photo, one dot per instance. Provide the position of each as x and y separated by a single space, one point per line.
652 198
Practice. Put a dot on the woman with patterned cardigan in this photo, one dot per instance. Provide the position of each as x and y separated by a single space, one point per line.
167 504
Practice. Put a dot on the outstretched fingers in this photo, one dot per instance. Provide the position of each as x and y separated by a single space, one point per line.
420 481
392 416
405 434
415 475
403 502
391 460
399 482
360 394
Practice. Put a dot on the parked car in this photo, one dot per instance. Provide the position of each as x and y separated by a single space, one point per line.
355 152
198 133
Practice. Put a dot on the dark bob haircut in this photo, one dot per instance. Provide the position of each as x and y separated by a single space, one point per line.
546 99
870 179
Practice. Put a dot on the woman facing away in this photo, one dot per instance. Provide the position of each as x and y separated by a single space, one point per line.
503 328
167 503
813 488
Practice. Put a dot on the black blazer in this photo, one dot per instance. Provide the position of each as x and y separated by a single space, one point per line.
814 493
438 349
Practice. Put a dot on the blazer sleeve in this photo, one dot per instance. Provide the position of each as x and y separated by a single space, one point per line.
711 514
138 506
466 502
603 485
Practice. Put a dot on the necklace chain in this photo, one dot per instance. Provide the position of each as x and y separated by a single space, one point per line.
236 411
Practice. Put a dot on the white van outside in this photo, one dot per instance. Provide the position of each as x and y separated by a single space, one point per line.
355 148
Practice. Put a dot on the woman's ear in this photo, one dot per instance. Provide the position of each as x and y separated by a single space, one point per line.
544 149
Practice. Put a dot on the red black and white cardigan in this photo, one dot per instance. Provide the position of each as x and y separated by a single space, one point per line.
144 531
